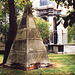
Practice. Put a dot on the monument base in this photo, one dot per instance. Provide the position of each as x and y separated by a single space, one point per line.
34 66
28 50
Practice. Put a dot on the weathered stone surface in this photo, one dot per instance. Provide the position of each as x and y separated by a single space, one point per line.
17 57
19 45
35 45
31 23
21 34
33 33
24 21
28 47
38 57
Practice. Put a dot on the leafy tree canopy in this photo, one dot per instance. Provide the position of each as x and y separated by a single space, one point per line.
4 29
71 34
43 26
69 19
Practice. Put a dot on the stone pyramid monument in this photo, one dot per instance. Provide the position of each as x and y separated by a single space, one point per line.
28 51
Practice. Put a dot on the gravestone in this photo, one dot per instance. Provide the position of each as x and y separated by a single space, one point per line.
28 51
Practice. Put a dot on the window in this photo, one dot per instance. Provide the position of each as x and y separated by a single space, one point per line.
44 2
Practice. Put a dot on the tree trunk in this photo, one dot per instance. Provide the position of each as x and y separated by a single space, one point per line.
12 29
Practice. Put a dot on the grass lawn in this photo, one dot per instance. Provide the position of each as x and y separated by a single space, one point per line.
64 65
1 58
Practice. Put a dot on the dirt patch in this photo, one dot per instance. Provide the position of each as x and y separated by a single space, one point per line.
57 65
24 68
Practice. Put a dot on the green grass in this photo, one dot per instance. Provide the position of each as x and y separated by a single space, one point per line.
1 58
64 65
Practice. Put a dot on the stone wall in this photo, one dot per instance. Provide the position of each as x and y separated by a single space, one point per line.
69 49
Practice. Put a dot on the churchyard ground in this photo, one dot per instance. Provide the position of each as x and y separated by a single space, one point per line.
63 64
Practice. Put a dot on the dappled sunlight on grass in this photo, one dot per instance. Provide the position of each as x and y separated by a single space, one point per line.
64 62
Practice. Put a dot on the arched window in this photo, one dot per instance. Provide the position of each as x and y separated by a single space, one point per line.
44 2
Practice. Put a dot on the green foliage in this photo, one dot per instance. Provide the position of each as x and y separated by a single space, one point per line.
43 26
4 9
4 29
1 58
69 19
71 33
27 4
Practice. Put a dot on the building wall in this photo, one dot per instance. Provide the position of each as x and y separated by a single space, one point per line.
36 3
51 22
62 32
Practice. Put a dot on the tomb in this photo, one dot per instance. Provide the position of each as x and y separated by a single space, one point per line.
28 51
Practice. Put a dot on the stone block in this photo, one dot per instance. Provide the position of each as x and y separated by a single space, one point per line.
33 33
69 49
21 34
